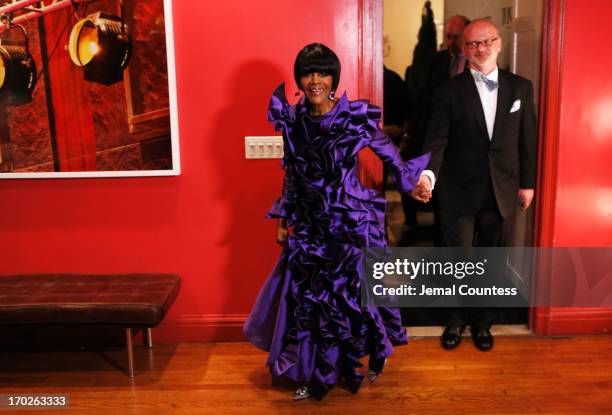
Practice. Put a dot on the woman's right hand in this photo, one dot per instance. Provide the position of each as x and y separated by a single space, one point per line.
282 232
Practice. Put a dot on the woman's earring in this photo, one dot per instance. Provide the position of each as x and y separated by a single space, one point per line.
332 95
297 94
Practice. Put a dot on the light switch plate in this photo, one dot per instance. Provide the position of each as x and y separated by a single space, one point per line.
263 147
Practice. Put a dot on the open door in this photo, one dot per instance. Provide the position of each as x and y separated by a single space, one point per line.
520 23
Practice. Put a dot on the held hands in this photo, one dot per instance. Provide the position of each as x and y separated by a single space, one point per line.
282 232
422 191
394 131
525 197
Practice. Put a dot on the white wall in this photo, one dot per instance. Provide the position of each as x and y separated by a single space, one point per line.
527 28
402 20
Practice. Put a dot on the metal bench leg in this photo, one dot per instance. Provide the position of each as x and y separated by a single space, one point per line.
147 338
128 342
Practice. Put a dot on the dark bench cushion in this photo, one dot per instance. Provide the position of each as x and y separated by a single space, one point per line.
130 299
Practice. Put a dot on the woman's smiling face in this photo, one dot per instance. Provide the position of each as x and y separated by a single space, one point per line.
316 87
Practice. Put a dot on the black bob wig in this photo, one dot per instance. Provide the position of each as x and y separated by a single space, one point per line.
317 57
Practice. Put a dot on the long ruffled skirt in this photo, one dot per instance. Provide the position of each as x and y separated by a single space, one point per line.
309 318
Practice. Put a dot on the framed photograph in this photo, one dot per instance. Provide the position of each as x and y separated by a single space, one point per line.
88 89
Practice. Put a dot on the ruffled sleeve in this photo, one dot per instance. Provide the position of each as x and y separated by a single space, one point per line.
282 116
278 209
406 173
366 115
280 113
282 207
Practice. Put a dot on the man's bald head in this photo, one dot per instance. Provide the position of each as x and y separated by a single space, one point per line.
479 25
453 31
482 45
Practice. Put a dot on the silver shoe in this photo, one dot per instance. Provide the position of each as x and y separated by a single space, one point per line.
302 392
374 373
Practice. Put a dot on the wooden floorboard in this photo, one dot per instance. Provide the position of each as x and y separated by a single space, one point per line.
522 375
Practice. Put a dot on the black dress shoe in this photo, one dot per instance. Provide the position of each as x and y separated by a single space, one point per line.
482 338
451 338
354 383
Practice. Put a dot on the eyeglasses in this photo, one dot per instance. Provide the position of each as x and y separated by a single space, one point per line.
473 44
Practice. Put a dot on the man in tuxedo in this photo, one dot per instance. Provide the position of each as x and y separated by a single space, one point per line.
396 103
482 135
450 62
446 64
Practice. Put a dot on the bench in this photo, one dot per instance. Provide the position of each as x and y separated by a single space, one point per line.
129 301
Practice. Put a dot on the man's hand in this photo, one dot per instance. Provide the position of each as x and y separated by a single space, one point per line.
422 191
394 131
525 197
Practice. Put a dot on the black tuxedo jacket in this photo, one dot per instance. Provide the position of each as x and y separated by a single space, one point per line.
438 74
440 66
463 158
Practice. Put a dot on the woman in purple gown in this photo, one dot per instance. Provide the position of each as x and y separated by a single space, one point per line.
308 315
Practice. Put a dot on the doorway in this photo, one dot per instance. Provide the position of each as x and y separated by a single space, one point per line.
410 27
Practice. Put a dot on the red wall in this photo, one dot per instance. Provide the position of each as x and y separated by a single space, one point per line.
584 184
207 224
581 214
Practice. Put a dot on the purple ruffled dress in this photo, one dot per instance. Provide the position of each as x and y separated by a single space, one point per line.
308 314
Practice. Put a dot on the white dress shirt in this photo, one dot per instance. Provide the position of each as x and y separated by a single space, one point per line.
488 100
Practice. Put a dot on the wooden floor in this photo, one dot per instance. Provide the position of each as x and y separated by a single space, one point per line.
522 375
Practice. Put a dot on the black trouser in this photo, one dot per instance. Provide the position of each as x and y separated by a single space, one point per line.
485 228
